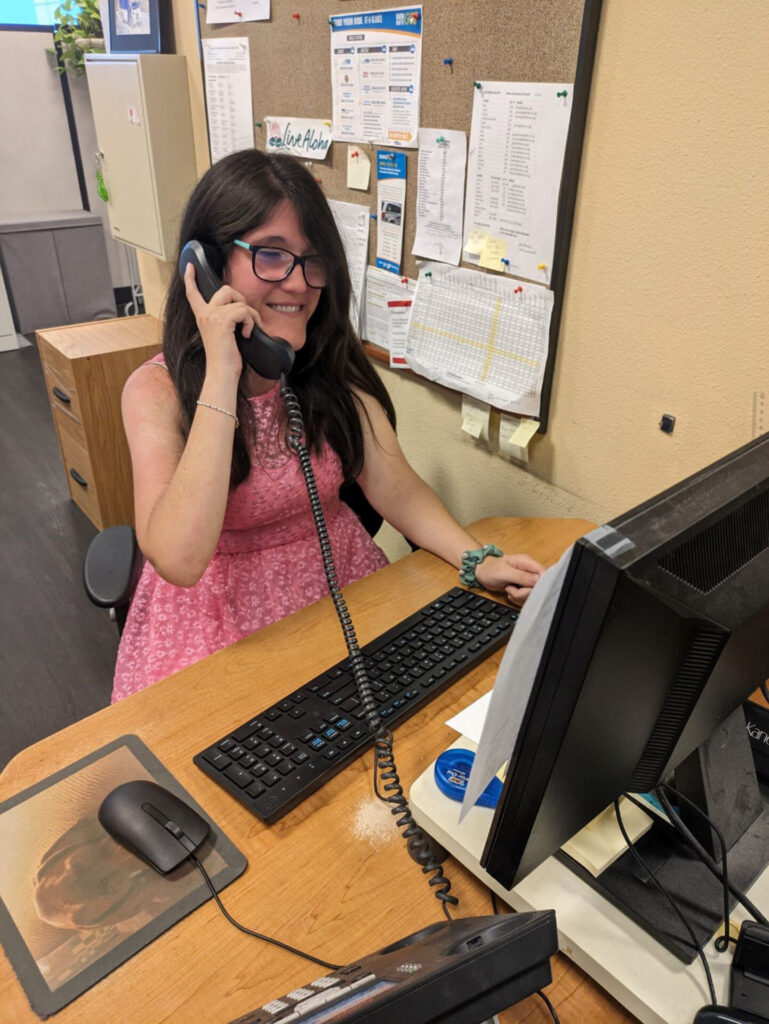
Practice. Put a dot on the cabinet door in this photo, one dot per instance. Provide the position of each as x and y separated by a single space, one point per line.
121 130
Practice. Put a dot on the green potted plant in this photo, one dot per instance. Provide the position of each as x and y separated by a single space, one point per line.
78 31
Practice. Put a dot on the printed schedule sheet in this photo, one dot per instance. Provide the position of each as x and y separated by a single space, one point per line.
481 334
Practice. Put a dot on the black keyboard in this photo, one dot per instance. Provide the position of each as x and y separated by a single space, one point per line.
279 757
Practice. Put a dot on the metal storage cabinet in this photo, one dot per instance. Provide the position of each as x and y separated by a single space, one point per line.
143 124
56 269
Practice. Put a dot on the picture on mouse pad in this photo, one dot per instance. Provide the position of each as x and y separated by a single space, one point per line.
75 902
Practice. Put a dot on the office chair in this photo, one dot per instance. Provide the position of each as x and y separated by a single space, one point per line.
113 561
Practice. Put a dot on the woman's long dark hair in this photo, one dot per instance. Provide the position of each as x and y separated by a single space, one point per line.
239 193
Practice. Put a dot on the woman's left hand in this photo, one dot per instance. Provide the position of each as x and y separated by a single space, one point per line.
514 574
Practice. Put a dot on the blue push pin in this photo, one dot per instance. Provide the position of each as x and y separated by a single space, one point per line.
506 262
449 62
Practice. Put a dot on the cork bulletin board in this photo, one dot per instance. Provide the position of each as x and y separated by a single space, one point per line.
491 40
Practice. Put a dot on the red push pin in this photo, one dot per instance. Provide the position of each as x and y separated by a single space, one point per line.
404 280
238 14
355 155
295 17
518 290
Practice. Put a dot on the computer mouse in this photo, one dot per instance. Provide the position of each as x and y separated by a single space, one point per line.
153 823
726 1015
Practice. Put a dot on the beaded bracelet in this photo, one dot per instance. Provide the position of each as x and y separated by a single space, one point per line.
472 559
217 409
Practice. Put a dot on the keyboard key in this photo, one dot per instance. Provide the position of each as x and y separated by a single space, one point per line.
227 744
238 775
256 789
217 758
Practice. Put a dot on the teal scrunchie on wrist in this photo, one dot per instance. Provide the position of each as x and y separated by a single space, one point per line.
472 559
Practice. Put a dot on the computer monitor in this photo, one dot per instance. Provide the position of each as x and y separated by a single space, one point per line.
660 631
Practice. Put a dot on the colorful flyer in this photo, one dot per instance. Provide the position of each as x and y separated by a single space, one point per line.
299 136
376 64
391 204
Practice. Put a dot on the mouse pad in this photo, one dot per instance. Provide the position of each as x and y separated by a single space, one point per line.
74 903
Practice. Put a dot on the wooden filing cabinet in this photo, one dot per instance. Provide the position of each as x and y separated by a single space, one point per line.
85 368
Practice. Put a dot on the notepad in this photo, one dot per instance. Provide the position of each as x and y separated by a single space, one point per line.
600 842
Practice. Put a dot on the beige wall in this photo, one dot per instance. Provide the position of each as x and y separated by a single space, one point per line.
667 303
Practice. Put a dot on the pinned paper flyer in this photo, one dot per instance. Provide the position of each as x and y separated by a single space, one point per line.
399 311
358 168
391 202
299 136
475 417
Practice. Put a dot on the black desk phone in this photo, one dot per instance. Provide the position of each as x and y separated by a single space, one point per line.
269 357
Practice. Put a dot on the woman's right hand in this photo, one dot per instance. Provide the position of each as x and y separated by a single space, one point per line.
218 321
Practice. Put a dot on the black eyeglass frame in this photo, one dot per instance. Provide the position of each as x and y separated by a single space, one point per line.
301 260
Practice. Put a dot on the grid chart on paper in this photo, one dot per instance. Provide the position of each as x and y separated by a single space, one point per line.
494 340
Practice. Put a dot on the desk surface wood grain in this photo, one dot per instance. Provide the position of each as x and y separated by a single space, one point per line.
332 877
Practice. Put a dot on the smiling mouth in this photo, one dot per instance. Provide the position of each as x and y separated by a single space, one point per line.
282 308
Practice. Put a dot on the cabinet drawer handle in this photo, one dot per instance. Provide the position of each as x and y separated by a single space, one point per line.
78 478
61 395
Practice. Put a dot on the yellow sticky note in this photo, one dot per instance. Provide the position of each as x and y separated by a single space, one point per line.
358 168
492 254
475 417
524 432
476 242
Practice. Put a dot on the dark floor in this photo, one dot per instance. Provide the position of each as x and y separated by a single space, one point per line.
57 651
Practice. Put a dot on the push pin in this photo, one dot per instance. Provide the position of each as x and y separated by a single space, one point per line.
428 273
564 93
372 216
404 280
440 140
257 124
296 17
449 63
477 85
518 290
355 155
238 14
505 261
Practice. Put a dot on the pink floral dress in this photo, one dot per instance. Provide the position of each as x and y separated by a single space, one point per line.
267 563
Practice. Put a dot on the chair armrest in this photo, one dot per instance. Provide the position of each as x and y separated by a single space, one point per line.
112 565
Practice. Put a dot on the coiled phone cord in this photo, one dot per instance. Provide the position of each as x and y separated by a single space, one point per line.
384 758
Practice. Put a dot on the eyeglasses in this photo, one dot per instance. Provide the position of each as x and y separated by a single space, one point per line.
271 264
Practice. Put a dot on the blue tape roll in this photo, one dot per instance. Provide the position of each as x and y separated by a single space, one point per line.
452 772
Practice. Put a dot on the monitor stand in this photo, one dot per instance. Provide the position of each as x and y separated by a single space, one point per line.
621 957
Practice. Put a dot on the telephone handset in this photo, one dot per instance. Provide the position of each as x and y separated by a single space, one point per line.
269 357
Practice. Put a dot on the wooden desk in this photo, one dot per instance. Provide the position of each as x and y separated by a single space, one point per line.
334 876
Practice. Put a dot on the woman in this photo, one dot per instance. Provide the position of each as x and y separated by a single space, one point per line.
222 514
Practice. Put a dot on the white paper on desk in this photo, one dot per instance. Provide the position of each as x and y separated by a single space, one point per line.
227 66
220 12
440 185
382 287
471 332
515 680
517 142
353 221
469 721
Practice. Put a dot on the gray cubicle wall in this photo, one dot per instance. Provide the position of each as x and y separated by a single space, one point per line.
38 169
